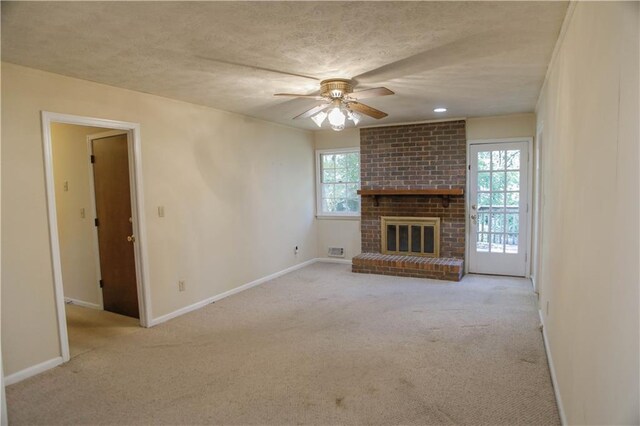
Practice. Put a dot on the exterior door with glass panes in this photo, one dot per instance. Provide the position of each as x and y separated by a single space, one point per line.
498 211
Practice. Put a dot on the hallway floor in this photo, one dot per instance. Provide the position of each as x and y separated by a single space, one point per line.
90 329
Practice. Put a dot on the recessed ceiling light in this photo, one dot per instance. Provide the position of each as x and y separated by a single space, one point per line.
440 110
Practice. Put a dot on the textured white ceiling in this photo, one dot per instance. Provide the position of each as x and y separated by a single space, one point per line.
475 58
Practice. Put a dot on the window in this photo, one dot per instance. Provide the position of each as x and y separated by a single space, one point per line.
338 180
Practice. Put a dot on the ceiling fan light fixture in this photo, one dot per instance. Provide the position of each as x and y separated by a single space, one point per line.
336 118
354 116
319 118
340 102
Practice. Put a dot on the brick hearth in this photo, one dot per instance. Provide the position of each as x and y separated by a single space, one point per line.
438 268
417 156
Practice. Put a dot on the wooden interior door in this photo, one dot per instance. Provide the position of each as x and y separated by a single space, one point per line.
115 229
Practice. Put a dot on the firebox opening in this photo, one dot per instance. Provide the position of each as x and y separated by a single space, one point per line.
412 236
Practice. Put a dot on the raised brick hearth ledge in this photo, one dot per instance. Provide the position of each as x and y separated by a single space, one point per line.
439 268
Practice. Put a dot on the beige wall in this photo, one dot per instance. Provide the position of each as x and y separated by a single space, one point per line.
78 253
338 232
589 274
500 127
237 193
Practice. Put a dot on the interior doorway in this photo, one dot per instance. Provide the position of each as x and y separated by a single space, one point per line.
97 235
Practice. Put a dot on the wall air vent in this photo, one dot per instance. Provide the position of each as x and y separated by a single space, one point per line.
336 252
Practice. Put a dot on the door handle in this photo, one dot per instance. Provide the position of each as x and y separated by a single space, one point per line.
131 238
473 218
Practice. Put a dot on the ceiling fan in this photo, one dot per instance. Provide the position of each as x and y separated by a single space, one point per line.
338 97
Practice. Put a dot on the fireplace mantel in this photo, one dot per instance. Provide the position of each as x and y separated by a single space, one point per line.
444 193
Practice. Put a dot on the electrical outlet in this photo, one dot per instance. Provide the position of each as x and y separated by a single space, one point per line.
181 285
160 211
66 186
82 213
295 251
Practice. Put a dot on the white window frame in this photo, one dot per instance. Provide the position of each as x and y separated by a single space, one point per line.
319 212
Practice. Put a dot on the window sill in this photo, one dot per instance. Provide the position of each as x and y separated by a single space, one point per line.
338 217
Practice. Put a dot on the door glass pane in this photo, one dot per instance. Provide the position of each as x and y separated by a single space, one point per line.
403 231
391 237
415 239
513 199
513 160
483 222
497 199
513 181
484 199
497 222
497 160
497 243
484 160
484 179
513 223
497 181
483 242
511 243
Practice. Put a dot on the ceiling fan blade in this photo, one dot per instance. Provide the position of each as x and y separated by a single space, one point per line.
463 50
367 110
295 95
255 67
370 93
308 113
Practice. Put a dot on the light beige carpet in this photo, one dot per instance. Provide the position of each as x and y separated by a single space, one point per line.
90 329
318 346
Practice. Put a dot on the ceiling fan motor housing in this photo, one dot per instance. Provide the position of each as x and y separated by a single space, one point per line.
336 87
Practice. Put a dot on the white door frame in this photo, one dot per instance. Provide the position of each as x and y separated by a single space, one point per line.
529 141
536 243
137 210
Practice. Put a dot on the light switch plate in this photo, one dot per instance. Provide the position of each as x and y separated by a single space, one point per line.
160 211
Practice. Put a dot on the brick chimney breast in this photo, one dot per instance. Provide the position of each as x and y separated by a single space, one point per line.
415 156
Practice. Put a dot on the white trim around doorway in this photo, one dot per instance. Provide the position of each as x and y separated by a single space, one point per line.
137 207
529 141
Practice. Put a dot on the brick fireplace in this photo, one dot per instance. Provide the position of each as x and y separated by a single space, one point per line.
411 159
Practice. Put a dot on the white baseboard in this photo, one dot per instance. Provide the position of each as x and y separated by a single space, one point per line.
32 371
236 290
82 303
333 260
554 380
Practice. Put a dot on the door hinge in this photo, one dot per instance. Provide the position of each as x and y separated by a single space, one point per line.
469 166
93 158
97 222
101 284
